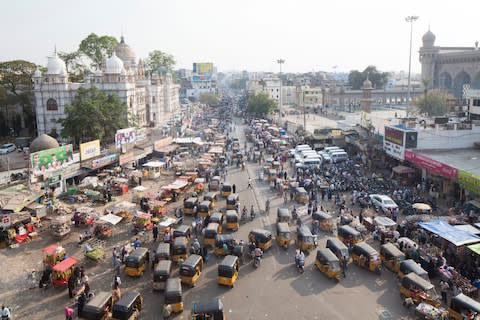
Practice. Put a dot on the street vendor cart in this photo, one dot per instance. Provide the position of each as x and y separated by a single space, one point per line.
62 271
53 254
142 221
138 193
60 227
84 216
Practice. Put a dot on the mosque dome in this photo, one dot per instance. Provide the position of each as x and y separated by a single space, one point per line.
124 52
55 65
114 64
428 39
43 142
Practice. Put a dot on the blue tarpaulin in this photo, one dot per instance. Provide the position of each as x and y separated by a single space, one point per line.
449 232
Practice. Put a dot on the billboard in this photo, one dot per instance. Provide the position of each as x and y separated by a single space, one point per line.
125 136
469 181
431 165
51 160
394 135
202 68
89 150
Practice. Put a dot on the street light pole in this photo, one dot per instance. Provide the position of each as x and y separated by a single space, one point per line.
410 19
280 102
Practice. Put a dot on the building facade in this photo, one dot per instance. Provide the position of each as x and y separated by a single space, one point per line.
150 98
449 68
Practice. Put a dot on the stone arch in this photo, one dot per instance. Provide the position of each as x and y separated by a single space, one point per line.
476 81
445 81
461 79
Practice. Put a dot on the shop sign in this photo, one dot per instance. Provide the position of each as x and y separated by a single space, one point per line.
469 181
125 136
5 221
394 135
162 143
394 150
104 161
126 158
431 165
54 180
47 161
89 150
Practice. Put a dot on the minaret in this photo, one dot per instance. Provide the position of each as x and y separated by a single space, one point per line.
428 53
367 100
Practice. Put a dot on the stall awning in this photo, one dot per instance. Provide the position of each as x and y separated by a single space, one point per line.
475 248
468 228
450 233
402 170
154 164
111 218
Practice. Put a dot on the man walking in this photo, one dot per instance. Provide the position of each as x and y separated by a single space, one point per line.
234 188
443 289
155 232
249 186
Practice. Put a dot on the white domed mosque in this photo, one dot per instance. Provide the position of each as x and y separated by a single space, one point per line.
152 97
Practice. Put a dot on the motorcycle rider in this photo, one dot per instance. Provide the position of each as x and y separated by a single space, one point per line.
244 213
299 259
294 213
252 212
5 313
196 246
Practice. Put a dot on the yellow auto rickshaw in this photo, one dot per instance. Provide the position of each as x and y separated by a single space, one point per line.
228 271
284 236
324 221
224 244
262 238
189 205
283 215
191 269
419 290
161 274
348 235
136 262
217 217
209 234
364 256
182 230
232 220
338 248
305 239
301 195
214 184
232 201
391 256
207 310
128 307
204 209
162 252
328 263
226 189
212 197
179 249
173 295
461 306
410 266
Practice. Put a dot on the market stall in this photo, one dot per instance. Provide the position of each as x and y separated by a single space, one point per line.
124 209
151 169
138 193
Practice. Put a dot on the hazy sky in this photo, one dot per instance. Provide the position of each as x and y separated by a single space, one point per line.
243 34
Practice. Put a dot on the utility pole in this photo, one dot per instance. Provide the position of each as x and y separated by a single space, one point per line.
280 62
410 19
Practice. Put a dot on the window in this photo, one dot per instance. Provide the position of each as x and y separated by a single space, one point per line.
476 102
153 99
52 105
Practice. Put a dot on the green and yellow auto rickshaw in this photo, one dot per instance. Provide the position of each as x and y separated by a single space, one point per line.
128 307
408 266
391 256
191 269
364 256
222 242
217 217
328 263
226 190
204 209
182 230
136 262
98 307
212 197
228 271
179 249
324 221
338 248
232 201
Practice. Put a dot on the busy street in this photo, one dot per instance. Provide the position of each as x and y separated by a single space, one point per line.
291 210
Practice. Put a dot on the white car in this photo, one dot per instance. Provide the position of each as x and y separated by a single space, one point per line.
7 148
383 202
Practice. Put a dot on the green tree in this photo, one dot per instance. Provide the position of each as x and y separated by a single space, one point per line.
378 79
261 104
157 59
97 48
209 98
76 69
433 102
94 115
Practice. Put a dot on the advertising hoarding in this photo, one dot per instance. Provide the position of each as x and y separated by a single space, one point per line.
202 68
469 181
51 160
89 150
431 165
162 143
104 161
394 135
125 136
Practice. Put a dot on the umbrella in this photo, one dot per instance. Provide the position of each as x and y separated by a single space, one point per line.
421 206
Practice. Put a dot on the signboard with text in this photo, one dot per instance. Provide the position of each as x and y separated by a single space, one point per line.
431 165
104 161
394 135
125 136
51 160
469 181
89 150
162 143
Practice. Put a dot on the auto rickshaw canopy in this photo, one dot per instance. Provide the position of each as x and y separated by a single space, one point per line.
283 228
205 205
179 243
304 234
214 307
227 187
220 239
182 230
163 250
283 213
417 281
233 198
162 269
326 255
363 248
321 216
228 263
462 301
408 266
123 308
231 216
261 235
173 291
389 250
190 202
216 217
347 230
189 265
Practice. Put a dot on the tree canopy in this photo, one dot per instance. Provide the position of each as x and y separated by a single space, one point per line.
97 48
209 98
434 102
378 79
94 115
157 59
16 75
76 68
261 103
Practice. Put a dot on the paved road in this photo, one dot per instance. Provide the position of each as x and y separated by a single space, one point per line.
273 291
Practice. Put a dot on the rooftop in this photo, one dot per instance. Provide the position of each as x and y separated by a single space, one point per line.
462 159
